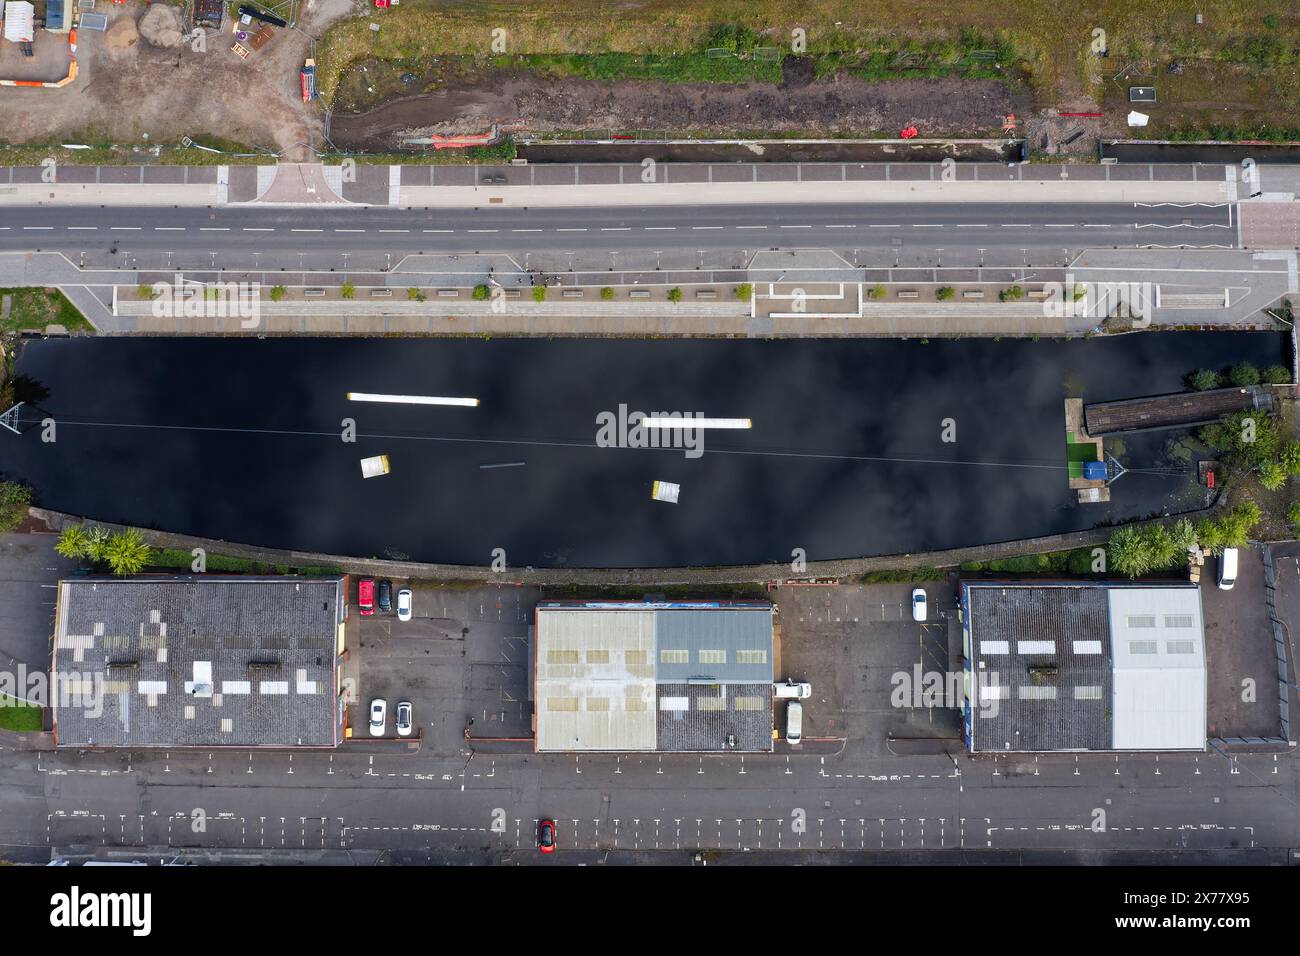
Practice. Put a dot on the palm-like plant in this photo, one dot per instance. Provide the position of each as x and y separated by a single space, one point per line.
73 542
126 552
96 541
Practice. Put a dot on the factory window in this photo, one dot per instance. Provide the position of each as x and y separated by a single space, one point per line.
1142 647
562 657
1141 620
1087 693
1180 647
713 657
1180 620
751 657
597 704
562 704
674 656
751 703
597 657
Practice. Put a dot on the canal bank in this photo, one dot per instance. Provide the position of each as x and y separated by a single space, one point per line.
859 448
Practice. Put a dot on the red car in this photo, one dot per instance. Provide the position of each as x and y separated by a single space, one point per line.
546 836
366 596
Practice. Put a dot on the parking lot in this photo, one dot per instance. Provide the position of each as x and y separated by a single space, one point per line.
461 661
1239 647
860 649
29 572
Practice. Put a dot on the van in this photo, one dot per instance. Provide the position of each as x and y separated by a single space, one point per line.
792 691
1228 568
794 722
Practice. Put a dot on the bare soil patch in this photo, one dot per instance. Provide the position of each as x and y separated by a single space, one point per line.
840 106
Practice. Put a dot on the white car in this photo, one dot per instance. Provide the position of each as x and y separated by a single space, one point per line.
404 724
792 691
918 604
378 716
404 597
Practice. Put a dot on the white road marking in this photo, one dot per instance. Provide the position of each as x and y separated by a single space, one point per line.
751 227
349 230
840 226
660 228
426 230
306 230
571 229
512 230
711 227
83 227
398 230
783 227
214 228
37 227
467 230
258 229
615 228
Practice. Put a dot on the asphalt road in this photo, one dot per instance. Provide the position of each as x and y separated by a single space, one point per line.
455 801
928 234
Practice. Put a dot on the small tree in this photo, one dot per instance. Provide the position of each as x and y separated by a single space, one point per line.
1203 379
415 295
1272 475
1293 518
944 292
1276 375
878 291
348 289
97 538
14 501
277 292
539 293
1290 458
606 293
126 552
144 291
745 291
1080 292
1243 375
1237 524
73 542
1012 294
481 292
1128 552
674 294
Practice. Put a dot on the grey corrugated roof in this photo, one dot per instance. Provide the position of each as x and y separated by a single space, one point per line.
728 630
1061 615
127 632
702 728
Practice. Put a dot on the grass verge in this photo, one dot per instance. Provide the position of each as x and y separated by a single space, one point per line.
19 717
35 308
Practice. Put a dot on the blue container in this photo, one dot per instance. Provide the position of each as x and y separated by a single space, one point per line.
1094 470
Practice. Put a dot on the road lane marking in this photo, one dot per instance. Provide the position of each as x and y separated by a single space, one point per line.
615 228
37 227
426 230
306 230
831 225
881 225
214 228
748 227
259 229
783 227
396 230
571 229
83 227
662 228
359 230
512 230
927 225
707 227
165 228
467 230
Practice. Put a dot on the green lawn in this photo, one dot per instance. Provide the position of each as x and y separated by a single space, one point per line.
181 560
19 717
37 308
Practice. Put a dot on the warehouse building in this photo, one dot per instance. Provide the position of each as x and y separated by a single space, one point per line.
638 676
199 661
1083 666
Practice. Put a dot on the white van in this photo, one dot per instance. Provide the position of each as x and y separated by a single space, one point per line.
1228 568
794 722
792 691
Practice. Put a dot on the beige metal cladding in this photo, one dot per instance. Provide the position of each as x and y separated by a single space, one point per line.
595 680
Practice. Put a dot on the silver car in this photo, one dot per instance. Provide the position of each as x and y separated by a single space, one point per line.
404 724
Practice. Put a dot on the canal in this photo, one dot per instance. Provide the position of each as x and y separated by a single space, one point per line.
243 440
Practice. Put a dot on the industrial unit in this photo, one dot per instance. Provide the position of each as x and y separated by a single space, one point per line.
642 676
1083 666
199 661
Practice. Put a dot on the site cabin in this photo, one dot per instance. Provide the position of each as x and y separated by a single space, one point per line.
374 467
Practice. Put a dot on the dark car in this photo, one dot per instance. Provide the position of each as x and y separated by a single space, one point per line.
546 836
385 595
494 180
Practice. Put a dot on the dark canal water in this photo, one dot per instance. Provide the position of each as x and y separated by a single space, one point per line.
238 439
